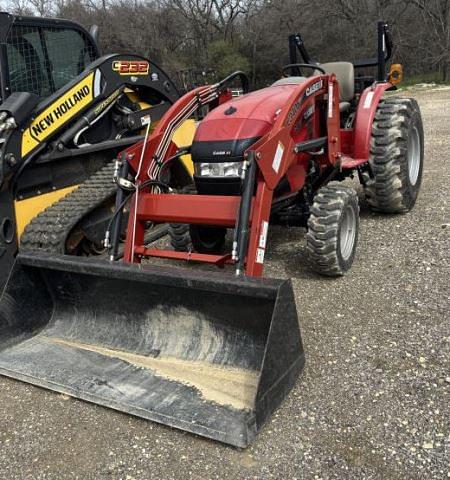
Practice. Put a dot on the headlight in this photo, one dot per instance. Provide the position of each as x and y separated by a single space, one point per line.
225 169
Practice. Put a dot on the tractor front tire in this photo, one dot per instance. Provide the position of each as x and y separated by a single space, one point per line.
396 157
179 237
206 239
202 239
332 234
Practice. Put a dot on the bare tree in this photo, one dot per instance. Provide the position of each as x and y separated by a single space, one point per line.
436 14
20 7
198 17
44 8
185 33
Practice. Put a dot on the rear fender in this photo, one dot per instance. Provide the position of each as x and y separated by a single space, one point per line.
365 115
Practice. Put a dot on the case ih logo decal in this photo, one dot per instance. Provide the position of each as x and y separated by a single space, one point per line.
222 152
131 67
314 88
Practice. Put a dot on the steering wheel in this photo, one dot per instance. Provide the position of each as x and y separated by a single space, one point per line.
245 82
301 65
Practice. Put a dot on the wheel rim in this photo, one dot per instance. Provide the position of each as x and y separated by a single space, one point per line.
348 232
414 156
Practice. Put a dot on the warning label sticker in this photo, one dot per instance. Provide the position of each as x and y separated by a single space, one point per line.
263 236
260 255
278 157
368 100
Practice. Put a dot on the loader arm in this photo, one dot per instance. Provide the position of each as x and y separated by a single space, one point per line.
276 151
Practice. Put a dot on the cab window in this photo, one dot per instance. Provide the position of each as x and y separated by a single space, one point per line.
27 66
69 53
41 60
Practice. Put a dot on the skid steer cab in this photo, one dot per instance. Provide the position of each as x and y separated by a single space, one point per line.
215 353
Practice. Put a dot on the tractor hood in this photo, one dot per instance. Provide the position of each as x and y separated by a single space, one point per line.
230 129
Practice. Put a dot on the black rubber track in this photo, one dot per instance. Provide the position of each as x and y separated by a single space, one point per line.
390 191
50 229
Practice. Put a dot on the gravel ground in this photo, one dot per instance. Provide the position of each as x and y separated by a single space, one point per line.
373 401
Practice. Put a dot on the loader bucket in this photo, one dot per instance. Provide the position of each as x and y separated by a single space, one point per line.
206 353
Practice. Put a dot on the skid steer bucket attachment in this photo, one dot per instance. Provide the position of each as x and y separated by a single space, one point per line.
209 354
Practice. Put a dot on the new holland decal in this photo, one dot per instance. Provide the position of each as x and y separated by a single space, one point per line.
57 114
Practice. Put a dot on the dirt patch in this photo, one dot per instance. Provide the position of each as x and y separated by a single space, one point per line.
223 385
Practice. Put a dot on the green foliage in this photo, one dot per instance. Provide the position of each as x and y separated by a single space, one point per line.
225 58
432 77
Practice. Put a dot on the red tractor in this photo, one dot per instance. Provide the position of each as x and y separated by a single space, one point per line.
271 155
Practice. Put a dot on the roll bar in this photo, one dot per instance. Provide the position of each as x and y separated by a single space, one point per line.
385 49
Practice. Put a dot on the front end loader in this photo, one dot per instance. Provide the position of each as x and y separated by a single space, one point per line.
215 352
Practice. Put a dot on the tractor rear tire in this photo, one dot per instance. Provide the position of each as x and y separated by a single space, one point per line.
332 234
396 157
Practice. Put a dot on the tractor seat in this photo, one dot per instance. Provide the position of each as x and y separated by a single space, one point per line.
345 74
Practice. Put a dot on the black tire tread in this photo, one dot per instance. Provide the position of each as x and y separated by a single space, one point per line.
388 152
323 228
179 234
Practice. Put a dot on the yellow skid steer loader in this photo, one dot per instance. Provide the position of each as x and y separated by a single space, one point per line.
65 113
